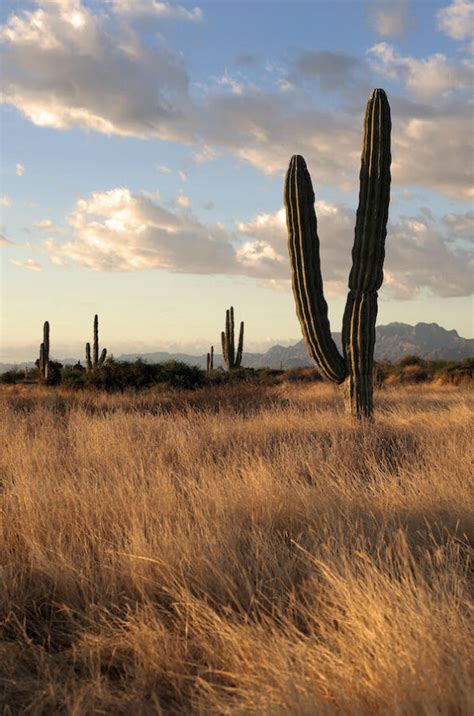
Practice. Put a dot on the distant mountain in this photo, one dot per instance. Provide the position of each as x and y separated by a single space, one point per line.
394 341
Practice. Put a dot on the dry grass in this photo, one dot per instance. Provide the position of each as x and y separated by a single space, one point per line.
239 550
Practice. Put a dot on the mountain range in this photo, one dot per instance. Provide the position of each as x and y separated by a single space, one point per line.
394 341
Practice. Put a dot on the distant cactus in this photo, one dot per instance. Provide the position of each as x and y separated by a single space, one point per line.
232 359
210 360
43 361
358 330
95 361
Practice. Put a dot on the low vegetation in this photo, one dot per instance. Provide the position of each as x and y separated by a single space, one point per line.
237 548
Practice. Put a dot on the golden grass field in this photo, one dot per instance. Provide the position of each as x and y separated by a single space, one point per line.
236 550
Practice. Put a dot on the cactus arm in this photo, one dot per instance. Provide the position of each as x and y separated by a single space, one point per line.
224 349
240 346
303 246
103 356
358 329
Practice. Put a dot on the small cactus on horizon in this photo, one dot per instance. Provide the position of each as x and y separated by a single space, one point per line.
210 360
232 358
43 361
95 361
366 276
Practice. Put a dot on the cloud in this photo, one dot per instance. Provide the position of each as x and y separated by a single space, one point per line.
183 200
65 66
121 231
460 226
183 176
5 201
333 69
420 258
425 79
154 8
164 169
457 21
6 243
415 251
29 264
205 154
47 225
391 18
19 170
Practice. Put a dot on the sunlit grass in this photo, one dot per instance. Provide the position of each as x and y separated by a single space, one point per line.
235 550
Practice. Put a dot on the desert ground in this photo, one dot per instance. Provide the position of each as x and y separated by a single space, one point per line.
237 549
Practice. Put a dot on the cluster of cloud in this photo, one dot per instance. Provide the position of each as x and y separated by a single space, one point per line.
457 21
67 65
121 231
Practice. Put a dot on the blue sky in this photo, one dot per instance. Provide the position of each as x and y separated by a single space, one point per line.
144 146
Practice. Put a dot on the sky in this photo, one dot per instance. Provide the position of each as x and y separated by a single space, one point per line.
143 151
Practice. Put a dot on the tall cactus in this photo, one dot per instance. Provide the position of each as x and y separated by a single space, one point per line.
96 361
366 276
232 358
210 360
43 362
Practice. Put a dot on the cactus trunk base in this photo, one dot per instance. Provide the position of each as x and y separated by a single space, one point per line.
359 395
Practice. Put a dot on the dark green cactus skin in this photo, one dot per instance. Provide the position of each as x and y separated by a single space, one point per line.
303 246
43 363
95 361
210 360
88 357
231 358
366 276
368 253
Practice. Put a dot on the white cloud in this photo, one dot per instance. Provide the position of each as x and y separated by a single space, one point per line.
5 201
29 264
390 18
457 21
183 176
153 8
64 66
19 170
425 79
121 231
6 242
164 169
47 225
183 200
59 261
205 154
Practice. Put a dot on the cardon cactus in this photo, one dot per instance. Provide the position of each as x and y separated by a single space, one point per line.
96 361
366 276
43 362
210 360
232 358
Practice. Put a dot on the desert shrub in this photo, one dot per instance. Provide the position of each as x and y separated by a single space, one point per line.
73 376
119 375
302 375
15 375
410 360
